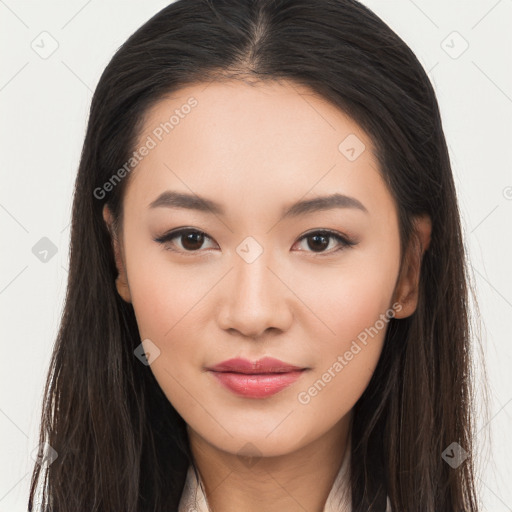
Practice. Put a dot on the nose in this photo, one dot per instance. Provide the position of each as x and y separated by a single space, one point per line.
255 299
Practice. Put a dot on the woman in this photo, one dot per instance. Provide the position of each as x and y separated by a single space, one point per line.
267 299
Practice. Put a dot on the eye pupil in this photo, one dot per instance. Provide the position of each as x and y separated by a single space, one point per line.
195 238
322 245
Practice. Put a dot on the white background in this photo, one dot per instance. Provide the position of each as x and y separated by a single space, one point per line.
44 107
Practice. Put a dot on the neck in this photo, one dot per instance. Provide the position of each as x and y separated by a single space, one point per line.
300 480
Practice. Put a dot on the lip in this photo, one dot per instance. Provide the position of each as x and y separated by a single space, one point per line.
264 365
258 379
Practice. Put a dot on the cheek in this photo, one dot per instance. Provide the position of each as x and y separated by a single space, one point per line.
355 308
346 361
165 303
358 304
163 294
349 298
167 300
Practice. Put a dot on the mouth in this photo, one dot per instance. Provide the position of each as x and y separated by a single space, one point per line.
255 379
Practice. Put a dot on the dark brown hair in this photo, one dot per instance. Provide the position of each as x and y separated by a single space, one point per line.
121 445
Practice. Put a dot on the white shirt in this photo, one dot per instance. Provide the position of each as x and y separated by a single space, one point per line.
193 497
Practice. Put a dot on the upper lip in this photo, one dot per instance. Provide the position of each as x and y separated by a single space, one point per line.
264 365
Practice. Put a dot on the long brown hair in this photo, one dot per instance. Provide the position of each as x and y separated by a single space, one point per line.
121 445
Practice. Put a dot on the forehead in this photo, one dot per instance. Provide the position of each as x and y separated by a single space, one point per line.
255 143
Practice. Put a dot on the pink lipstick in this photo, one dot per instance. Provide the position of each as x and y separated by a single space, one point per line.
258 379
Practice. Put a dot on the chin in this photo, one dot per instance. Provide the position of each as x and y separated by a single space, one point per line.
258 442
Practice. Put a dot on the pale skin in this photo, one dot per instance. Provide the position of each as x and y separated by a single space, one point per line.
256 150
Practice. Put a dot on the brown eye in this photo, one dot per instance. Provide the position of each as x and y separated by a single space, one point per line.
319 241
192 240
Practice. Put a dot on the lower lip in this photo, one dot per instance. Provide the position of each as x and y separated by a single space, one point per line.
257 385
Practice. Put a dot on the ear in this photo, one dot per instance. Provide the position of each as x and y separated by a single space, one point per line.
122 278
406 289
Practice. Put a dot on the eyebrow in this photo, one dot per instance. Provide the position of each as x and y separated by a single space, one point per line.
172 199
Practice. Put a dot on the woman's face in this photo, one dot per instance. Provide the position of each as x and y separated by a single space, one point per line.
259 282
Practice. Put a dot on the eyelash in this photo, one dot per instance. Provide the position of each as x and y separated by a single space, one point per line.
346 243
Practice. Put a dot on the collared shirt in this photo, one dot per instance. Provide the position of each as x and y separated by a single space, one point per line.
339 499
